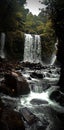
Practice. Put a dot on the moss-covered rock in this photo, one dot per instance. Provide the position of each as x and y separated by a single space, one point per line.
14 45
47 46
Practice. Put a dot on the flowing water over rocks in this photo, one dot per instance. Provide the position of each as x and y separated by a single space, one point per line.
30 93
38 111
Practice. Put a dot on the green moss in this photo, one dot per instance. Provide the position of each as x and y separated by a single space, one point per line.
15 45
47 46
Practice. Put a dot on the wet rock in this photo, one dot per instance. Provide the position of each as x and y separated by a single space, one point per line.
38 102
1 107
3 126
29 78
16 83
45 86
50 71
42 125
28 116
11 120
5 90
32 65
58 97
32 120
36 75
48 75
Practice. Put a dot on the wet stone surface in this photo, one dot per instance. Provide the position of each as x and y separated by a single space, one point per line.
42 108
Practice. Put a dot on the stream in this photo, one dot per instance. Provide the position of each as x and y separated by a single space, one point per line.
38 110
38 101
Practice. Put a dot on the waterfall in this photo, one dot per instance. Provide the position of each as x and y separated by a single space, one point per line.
54 54
32 48
2 43
53 59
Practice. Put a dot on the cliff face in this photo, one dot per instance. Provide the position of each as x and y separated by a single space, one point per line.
14 45
60 57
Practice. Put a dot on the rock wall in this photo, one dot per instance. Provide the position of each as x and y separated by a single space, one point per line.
14 45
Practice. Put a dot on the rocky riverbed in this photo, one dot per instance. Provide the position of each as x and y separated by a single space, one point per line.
29 97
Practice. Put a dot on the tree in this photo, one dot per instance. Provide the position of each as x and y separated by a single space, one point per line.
11 14
56 10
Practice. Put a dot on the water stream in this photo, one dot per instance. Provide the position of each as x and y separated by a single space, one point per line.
38 100
2 44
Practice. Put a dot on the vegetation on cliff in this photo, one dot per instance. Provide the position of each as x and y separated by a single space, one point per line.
18 21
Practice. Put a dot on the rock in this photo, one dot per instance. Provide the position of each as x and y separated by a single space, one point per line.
45 86
1 107
32 65
28 116
38 102
3 126
12 120
58 97
42 125
48 75
6 90
16 83
32 119
36 75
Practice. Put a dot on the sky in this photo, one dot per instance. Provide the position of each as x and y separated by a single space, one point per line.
33 6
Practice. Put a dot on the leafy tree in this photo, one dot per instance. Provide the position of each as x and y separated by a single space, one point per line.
11 14
56 7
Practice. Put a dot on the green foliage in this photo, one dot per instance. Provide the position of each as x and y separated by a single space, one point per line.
14 19
11 15
15 44
33 24
47 41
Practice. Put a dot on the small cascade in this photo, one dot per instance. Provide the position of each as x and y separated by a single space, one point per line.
53 59
54 54
2 43
32 48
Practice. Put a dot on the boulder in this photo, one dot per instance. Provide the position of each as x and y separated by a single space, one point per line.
38 102
28 116
11 120
58 97
36 75
6 90
3 126
32 119
16 83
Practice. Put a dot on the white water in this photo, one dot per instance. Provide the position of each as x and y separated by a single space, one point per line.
32 48
53 59
54 54
25 100
2 42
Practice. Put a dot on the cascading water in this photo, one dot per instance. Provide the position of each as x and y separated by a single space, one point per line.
38 100
32 49
54 54
2 43
53 59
